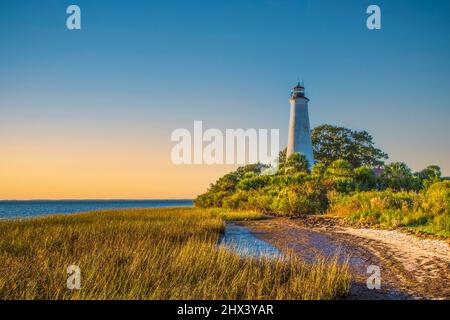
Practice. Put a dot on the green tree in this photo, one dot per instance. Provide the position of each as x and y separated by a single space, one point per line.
331 143
296 163
282 158
432 172
365 178
340 172
226 185
398 176
429 175
253 183
319 170
340 169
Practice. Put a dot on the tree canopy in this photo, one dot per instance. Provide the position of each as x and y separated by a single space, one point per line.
331 143
294 164
398 176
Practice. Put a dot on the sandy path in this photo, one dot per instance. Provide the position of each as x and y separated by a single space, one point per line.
410 267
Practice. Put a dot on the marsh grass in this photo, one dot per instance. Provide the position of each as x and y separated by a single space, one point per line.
169 253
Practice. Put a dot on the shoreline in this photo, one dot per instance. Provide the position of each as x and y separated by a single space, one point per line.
25 209
411 267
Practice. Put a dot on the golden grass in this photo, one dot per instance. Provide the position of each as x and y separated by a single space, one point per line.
167 253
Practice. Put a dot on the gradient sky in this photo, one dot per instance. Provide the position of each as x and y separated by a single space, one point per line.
89 113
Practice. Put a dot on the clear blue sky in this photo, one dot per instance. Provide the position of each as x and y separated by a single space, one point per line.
150 67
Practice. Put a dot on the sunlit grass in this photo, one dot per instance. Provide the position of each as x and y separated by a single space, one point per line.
235 215
167 253
427 211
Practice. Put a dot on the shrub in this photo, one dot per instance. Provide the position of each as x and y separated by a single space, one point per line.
262 202
364 178
236 200
308 198
428 210
398 176
253 183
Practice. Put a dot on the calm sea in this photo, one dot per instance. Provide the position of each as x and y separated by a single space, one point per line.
23 209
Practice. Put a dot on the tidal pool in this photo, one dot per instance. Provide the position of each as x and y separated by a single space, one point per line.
246 243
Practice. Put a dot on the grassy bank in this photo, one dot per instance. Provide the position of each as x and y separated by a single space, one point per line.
427 211
149 254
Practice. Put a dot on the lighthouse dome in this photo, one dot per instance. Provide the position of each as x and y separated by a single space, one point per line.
298 92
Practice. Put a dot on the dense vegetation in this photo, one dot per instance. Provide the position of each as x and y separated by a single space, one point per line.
170 253
349 179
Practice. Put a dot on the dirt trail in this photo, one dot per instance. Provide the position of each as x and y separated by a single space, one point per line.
411 268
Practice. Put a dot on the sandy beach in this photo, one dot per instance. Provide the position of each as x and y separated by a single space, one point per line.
411 267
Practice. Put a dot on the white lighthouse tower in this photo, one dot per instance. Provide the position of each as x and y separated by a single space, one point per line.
299 129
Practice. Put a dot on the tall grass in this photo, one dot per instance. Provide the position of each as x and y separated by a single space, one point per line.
428 211
150 254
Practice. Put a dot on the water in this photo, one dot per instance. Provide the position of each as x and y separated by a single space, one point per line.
31 208
246 243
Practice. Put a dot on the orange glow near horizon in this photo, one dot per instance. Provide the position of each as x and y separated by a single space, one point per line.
94 178
62 169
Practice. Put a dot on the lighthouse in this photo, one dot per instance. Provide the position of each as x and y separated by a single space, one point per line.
299 130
